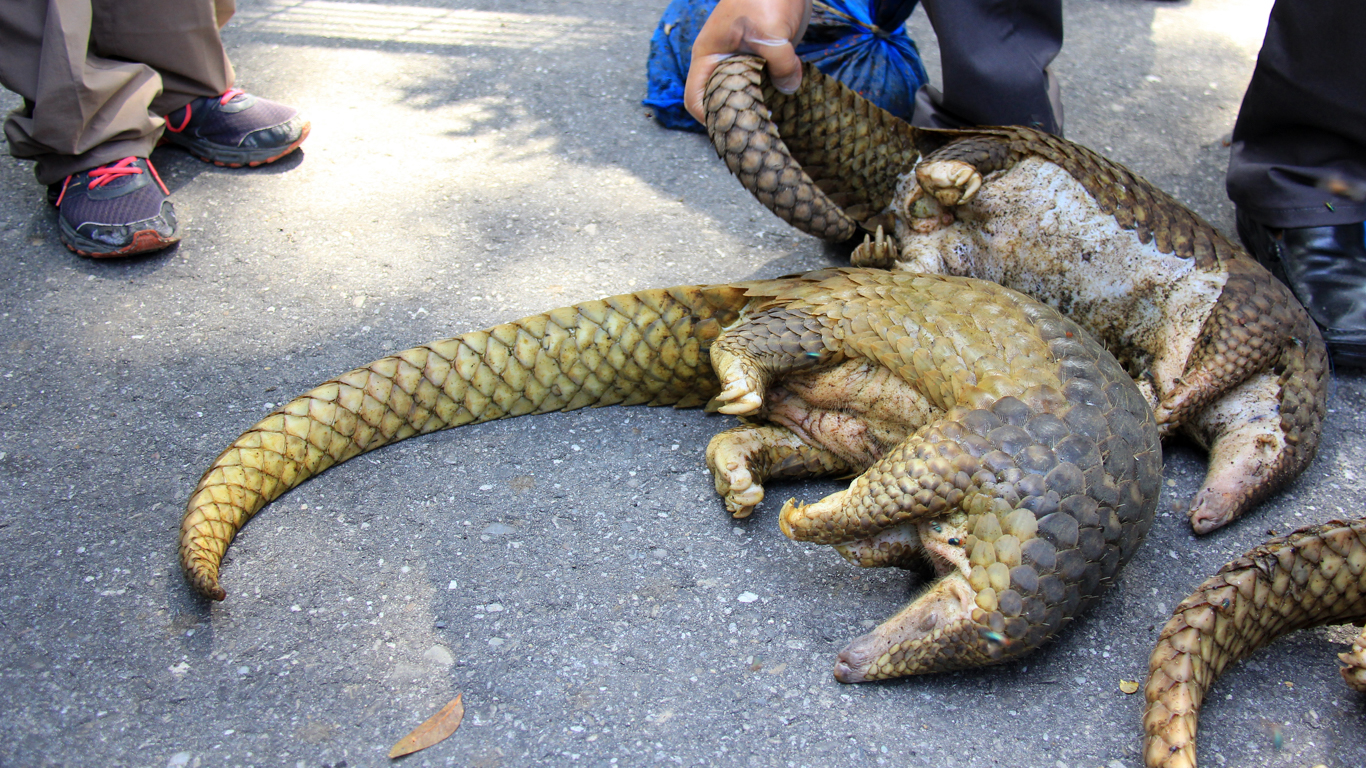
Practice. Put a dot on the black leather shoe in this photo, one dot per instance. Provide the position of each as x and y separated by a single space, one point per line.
1326 269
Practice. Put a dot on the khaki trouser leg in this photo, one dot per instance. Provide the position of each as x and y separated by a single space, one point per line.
96 75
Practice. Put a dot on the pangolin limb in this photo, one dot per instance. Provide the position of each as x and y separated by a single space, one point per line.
1312 577
1224 351
992 438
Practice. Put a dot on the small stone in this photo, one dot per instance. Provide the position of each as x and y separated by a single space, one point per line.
747 597
439 654
179 760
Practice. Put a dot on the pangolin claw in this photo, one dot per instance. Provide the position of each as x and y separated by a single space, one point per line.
791 508
742 494
879 250
740 404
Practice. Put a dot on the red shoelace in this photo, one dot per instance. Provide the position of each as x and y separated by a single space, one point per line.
107 173
223 100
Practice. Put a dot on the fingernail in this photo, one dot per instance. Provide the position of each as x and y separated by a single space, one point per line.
787 85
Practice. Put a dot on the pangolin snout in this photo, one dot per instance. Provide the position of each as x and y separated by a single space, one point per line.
851 666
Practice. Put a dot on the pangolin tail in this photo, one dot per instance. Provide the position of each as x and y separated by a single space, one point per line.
1312 577
824 159
648 347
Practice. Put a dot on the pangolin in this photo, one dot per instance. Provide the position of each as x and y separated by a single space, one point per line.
1312 577
1222 350
990 435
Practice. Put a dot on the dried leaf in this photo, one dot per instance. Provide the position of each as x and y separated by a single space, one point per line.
1128 686
437 727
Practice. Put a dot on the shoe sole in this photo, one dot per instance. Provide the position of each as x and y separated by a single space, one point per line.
230 158
145 241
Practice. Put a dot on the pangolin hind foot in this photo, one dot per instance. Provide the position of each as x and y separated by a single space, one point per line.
1223 350
998 434
1312 577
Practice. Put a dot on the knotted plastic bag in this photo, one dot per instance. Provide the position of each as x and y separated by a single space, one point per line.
862 43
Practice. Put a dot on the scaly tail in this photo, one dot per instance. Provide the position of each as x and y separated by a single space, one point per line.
642 348
824 159
1312 577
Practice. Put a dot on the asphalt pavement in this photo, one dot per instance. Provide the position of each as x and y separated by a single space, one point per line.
572 576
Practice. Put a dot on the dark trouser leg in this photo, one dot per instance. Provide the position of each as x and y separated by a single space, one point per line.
1303 119
1297 171
995 56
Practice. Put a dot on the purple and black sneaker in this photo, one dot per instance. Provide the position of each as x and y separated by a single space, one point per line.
119 209
236 129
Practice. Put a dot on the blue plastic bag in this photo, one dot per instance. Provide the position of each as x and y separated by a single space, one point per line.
862 43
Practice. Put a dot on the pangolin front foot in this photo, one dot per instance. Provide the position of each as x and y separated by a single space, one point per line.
743 458
742 382
800 521
951 182
728 457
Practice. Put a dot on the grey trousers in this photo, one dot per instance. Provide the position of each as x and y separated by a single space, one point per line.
1303 119
97 75
995 56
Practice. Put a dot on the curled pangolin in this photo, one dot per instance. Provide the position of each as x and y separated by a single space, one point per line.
991 436
1313 577
1222 350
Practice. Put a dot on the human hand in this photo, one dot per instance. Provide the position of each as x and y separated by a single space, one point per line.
766 28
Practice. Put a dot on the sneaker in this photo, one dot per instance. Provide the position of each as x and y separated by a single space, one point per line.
118 209
236 129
